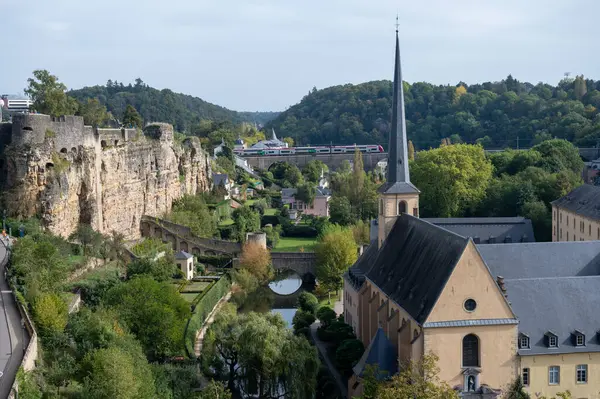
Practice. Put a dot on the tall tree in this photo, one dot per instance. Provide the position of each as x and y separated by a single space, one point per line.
89 238
93 112
411 150
49 95
453 179
335 252
131 118
245 220
259 357
257 261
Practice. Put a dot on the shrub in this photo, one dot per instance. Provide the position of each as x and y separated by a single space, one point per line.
348 354
300 231
308 302
340 332
269 219
326 315
214 260
302 320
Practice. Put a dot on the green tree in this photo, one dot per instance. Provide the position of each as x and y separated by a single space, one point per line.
313 169
418 380
306 193
302 321
335 252
289 141
358 177
260 356
89 238
307 302
215 390
94 113
192 211
340 211
245 220
326 316
361 232
453 179
49 95
516 391
559 155
154 312
50 313
132 118
115 373
348 354
159 270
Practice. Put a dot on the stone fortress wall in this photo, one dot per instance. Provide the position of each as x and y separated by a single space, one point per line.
66 173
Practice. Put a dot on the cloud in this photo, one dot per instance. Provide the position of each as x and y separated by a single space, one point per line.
267 54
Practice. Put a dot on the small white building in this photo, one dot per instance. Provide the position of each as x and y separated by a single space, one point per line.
185 262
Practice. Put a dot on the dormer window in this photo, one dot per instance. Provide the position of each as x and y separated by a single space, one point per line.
579 338
551 339
523 341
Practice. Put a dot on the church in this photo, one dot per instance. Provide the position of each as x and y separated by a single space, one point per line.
492 310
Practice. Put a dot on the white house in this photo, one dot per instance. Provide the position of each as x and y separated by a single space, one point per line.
185 262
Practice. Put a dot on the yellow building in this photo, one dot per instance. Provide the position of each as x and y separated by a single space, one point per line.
576 216
490 312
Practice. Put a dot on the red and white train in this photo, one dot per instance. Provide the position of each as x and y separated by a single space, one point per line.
336 149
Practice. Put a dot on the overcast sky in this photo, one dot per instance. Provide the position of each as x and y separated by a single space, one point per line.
266 54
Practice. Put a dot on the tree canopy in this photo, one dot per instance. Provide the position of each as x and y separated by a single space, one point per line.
335 252
49 95
497 113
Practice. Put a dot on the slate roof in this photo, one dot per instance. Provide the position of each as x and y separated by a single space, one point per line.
182 255
414 264
484 230
290 192
380 352
220 178
584 200
542 259
398 188
356 273
561 305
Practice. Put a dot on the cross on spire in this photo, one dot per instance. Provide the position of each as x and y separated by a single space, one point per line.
397 23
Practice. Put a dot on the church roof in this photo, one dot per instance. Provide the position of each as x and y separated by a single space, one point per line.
356 273
381 353
584 201
489 230
414 264
398 177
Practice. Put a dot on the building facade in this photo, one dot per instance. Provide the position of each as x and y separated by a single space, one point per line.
319 206
576 216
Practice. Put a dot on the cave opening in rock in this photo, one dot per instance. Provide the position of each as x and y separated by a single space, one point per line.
63 150
85 206
103 143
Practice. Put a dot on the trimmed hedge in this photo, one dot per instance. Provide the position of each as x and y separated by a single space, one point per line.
269 219
226 232
300 231
202 306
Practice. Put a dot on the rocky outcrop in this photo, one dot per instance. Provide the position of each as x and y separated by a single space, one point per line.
108 178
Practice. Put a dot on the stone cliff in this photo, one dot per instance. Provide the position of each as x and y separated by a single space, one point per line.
67 173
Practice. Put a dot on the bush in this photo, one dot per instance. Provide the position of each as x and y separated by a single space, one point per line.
227 232
302 320
326 315
348 354
205 303
269 219
214 260
340 331
300 231
307 302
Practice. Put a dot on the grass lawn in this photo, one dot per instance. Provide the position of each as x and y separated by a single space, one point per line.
250 202
226 222
189 296
270 211
334 298
293 244
196 286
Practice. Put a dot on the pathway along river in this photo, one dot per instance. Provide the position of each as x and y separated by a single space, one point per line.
280 296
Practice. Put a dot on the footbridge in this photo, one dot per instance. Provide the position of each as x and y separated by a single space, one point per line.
182 239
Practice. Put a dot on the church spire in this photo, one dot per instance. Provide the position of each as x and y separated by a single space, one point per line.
398 176
274 135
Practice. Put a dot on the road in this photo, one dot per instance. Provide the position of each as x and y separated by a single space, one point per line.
13 339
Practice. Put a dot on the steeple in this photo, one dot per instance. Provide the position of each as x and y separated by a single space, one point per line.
398 176
274 135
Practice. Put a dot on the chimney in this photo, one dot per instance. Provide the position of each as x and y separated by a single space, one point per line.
524 238
500 281
476 240
507 239
492 240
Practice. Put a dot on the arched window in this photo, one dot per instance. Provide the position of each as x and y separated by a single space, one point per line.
401 207
470 351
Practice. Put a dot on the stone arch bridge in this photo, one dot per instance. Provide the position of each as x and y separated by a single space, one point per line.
303 263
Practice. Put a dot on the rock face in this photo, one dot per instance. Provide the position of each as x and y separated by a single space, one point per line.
67 173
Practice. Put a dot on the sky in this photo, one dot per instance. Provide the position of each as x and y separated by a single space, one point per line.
265 55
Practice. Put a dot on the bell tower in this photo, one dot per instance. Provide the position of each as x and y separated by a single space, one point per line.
398 195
